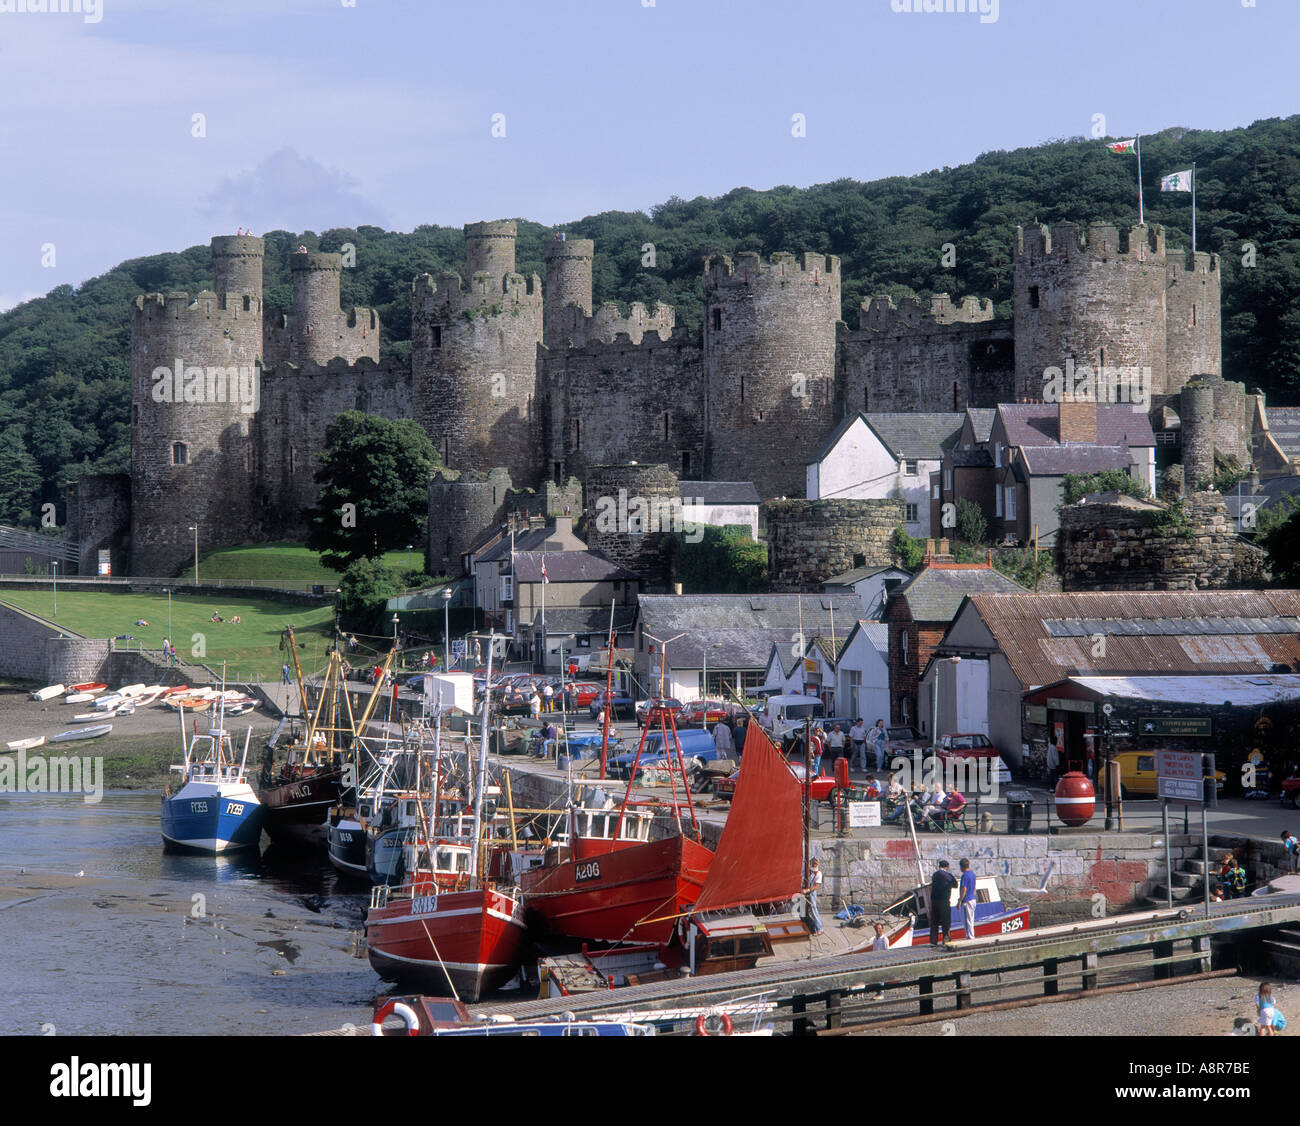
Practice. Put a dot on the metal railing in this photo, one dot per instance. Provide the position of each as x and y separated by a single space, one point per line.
304 586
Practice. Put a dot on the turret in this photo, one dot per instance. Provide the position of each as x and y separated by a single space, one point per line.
568 284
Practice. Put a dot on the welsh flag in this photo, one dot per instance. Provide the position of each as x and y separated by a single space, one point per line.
1177 182
1124 146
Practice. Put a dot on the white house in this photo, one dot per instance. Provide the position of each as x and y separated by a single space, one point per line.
862 674
719 503
870 584
881 456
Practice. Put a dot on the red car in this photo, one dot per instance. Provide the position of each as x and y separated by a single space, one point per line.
704 712
820 790
584 691
1291 791
643 708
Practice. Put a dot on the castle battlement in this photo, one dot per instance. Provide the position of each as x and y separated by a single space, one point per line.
166 311
1065 241
1177 259
783 267
609 324
880 314
335 368
446 297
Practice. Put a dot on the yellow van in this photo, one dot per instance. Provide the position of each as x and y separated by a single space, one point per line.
1137 774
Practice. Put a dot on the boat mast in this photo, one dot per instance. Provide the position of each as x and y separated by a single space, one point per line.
481 787
609 692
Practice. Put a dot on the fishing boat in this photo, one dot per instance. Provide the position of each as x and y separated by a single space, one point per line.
49 692
215 809
612 883
992 916
449 927
300 791
78 733
27 744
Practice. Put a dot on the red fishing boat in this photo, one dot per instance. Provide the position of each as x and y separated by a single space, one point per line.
449 927
611 882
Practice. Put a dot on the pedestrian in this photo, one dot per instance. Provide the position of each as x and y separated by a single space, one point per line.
1268 1013
548 698
722 737
966 896
817 747
835 743
858 739
941 885
1238 880
880 743
1292 847
1053 762
535 705
284 674
740 733
814 885
569 697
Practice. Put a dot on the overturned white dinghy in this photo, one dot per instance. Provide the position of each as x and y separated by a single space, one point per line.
79 733
26 744
49 692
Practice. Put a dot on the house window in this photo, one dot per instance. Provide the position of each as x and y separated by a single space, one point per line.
909 468
936 492
507 588
1033 297
180 453
997 454
717 319
947 480
903 641
997 494
910 514
905 711
1011 502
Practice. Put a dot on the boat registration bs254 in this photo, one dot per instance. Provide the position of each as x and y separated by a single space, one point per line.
587 870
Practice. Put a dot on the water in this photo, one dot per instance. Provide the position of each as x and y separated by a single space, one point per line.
151 943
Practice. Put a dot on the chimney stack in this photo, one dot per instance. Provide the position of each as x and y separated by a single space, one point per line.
1077 420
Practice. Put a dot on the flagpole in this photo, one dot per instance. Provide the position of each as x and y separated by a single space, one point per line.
1193 207
1137 145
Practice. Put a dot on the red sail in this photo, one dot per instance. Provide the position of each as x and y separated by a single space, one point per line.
760 855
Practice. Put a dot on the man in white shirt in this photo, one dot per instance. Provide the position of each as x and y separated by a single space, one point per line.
835 743
858 737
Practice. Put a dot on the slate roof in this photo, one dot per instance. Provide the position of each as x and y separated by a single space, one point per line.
719 492
1056 461
1047 637
528 540
981 421
850 578
916 436
1284 426
585 619
936 593
568 567
1037 424
738 630
876 633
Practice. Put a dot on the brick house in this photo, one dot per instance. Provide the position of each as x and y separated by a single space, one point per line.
918 615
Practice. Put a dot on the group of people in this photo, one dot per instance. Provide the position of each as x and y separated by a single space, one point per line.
929 807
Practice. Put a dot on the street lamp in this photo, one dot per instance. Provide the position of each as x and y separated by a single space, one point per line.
446 628
54 570
169 618
195 529
934 698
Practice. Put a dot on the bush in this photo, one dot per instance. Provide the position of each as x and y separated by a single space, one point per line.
971 525
724 561
910 551
1079 485
363 589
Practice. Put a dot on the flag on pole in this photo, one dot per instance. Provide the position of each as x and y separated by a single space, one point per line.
1177 182
545 577
1123 146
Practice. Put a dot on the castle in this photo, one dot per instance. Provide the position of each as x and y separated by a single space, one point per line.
524 379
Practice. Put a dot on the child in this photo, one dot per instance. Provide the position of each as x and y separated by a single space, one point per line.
1267 1010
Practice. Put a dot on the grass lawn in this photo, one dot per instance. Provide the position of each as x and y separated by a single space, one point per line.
289 561
251 646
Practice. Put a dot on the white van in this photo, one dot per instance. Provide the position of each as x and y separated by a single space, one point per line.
785 713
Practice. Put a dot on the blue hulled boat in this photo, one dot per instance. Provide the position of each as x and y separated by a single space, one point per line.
215 810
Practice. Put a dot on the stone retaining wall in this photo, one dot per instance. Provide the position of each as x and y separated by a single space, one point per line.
808 541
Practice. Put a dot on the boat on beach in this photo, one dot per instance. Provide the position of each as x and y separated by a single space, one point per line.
78 733
28 744
50 692
215 810
91 686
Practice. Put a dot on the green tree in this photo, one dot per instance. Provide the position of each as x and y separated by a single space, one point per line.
365 586
374 479
909 549
724 561
19 477
1282 542
971 525
1079 485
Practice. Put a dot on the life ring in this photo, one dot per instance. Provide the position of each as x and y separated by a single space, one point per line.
402 1010
702 1025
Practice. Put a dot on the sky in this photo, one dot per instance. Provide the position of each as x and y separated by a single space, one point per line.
133 127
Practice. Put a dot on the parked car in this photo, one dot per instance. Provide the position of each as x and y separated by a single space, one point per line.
819 790
973 748
584 691
643 708
707 712
694 744
623 704
1138 776
1291 791
904 740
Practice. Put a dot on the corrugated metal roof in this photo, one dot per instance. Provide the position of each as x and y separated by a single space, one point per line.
1048 637
1240 690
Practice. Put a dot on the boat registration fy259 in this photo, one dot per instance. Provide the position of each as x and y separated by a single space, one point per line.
424 904
587 870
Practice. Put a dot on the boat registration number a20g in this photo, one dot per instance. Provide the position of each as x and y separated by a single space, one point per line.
1013 924
587 870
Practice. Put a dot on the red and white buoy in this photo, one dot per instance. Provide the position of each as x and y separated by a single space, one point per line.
1076 801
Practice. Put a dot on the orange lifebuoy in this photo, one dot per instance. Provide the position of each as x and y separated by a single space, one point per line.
400 1009
702 1025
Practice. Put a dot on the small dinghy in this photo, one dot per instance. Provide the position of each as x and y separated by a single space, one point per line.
81 717
108 703
91 686
132 690
26 744
78 733
79 698
49 692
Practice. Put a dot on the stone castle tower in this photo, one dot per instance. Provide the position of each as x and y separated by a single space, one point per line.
769 366
474 359
1106 303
